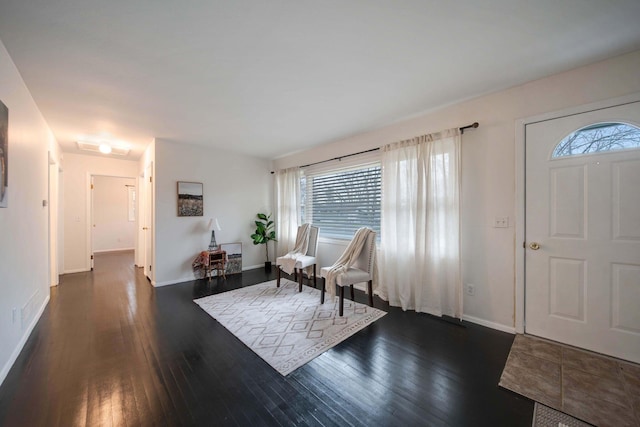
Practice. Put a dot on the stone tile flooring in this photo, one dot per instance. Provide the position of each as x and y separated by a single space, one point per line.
595 388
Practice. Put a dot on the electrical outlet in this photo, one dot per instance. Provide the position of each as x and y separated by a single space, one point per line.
501 222
471 289
14 316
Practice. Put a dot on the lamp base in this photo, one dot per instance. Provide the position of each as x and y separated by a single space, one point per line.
213 246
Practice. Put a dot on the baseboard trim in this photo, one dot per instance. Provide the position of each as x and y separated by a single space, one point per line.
27 333
172 282
76 270
190 279
489 324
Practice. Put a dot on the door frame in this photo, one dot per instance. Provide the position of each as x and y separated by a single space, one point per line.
89 256
148 221
53 213
520 142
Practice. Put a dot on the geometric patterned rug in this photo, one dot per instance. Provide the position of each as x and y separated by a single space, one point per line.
287 328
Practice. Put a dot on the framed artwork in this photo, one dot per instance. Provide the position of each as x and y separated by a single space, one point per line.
190 198
234 257
4 155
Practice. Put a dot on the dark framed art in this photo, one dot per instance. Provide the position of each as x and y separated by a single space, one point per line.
190 199
234 257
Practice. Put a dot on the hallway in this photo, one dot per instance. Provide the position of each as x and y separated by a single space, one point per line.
112 350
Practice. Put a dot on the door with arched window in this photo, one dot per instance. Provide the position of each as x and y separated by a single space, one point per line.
582 230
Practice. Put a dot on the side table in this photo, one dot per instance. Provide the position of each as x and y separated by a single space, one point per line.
217 261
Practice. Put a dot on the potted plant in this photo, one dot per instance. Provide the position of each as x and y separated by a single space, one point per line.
265 231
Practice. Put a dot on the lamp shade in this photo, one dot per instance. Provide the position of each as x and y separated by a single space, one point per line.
214 224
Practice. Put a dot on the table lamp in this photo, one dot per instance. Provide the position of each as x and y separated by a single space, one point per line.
213 224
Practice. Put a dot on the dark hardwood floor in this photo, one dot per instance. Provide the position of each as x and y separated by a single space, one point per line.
112 350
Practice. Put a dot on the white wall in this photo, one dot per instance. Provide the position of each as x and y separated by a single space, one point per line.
236 187
77 179
24 254
112 229
488 168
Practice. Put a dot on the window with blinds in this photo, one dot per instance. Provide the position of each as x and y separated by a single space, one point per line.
341 201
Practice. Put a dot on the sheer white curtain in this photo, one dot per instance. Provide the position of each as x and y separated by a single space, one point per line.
287 192
420 247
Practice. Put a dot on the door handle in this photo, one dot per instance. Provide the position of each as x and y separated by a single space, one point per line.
145 228
534 245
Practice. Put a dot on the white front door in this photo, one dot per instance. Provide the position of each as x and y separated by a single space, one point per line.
582 231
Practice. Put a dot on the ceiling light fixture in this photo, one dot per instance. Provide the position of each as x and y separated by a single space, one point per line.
113 148
105 148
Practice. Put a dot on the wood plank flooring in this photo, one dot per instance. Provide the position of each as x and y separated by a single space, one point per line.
110 350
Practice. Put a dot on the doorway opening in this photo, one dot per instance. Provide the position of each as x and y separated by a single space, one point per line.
113 215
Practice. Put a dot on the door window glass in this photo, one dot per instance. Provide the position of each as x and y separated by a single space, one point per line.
598 138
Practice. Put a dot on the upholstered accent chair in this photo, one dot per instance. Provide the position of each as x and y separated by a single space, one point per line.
360 271
308 260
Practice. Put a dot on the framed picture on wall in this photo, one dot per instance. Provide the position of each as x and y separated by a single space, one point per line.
4 155
234 257
190 198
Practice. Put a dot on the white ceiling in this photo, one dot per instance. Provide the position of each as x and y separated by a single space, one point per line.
273 77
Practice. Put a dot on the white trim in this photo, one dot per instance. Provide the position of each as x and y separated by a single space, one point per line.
89 220
76 270
518 305
172 282
191 279
16 352
520 160
489 324
580 109
89 213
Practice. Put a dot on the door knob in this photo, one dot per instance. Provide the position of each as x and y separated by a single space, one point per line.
144 228
534 245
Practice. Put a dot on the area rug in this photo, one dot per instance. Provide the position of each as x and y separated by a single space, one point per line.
600 390
285 327
543 416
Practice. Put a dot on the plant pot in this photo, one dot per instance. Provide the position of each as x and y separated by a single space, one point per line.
267 266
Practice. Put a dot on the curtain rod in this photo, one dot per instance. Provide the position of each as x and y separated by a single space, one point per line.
474 125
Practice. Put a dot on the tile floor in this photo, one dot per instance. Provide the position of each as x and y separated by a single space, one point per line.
598 389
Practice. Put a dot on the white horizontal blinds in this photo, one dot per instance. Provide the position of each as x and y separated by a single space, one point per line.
343 200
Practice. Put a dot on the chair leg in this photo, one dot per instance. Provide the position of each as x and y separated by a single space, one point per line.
314 276
295 274
278 279
324 281
300 287
353 298
341 309
370 293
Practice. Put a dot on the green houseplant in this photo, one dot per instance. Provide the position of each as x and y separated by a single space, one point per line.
265 231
